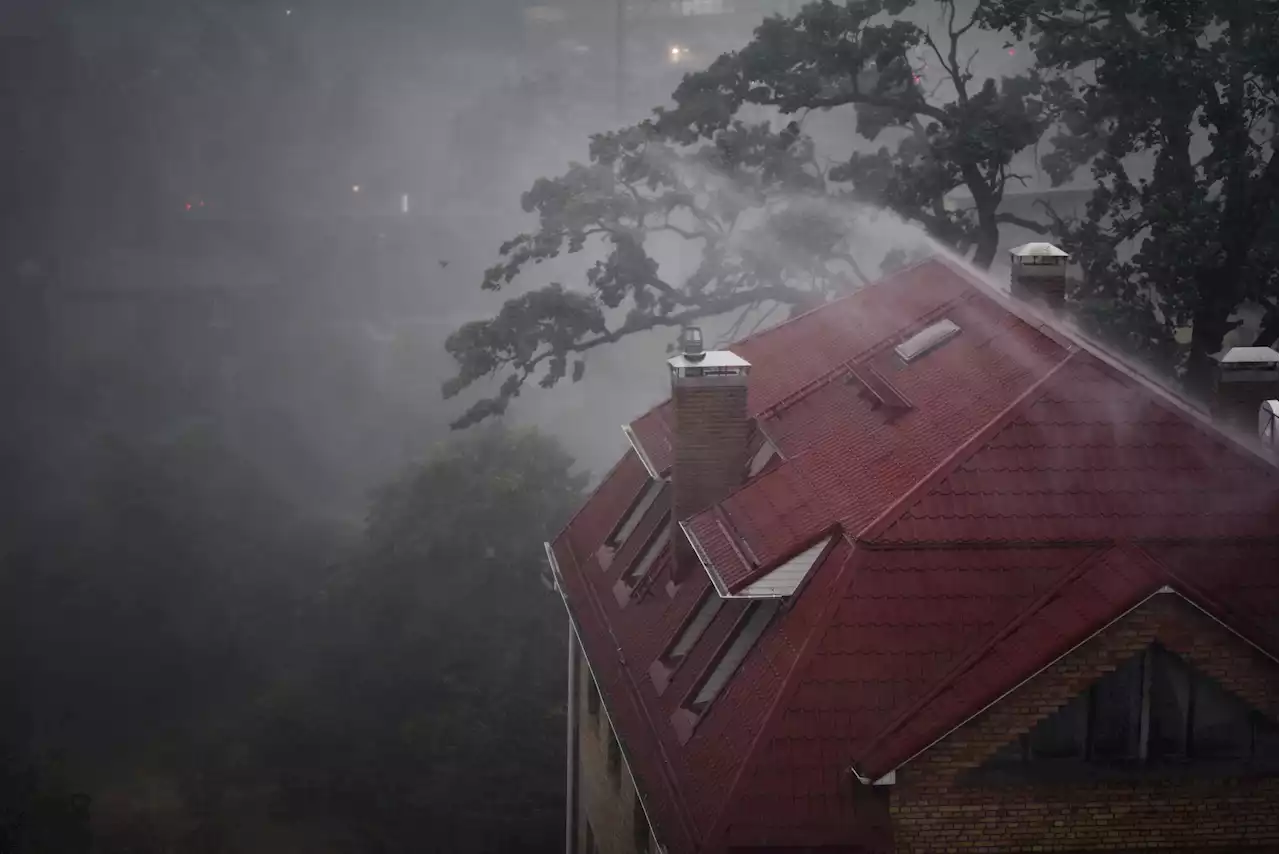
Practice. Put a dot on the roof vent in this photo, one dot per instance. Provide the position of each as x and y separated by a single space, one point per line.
1039 271
926 340
1267 428
691 344
1247 377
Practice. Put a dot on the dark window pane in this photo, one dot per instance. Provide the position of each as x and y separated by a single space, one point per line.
1013 753
1220 726
1061 735
1170 691
1117 711
1266 750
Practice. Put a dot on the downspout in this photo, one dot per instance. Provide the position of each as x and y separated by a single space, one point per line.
571 751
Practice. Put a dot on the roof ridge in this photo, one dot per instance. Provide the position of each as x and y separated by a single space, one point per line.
884 279
1063 329
974 657
968 448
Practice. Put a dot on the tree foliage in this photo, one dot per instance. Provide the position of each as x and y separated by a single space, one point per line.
433 700
726 177
1189 88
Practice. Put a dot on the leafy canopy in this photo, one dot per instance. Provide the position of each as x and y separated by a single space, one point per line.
769 223
1173 108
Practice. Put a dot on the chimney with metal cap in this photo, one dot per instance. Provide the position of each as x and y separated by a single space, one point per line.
712 435
1247 377
1039 272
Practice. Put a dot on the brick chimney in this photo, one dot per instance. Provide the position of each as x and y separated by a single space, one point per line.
1039 272
712 434
1247 378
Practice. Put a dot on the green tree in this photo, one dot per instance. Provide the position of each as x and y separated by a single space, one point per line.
1188 89
434 700
770 223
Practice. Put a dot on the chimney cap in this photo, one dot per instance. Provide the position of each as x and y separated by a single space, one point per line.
1250 356
1037 250
713 359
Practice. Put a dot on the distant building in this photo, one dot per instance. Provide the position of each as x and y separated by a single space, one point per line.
921 571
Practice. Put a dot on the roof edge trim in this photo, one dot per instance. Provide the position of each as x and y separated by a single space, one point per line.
1126 612
634 441
703 558
1162 590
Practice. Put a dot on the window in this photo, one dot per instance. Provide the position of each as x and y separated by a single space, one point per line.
593 696
635 513
750 627
694 627
1152 709
640 566
613 760
639 826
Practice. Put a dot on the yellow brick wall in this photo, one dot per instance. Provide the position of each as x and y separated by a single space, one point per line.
934 808
607 802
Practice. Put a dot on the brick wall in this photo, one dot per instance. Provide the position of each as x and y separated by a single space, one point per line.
607 802
936 806
712 436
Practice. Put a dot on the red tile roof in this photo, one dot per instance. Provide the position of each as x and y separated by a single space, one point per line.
1033 491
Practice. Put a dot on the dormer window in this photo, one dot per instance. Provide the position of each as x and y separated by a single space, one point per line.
750 627
692 629
640 506
638 573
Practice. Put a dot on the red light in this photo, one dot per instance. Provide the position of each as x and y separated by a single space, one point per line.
1012 51
916 77
188 205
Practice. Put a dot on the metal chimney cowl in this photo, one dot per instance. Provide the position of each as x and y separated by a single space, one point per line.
1247 377
1038 271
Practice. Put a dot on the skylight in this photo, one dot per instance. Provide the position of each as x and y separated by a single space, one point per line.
639 507
927 340
640 568
711 605
749 629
